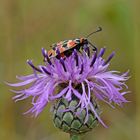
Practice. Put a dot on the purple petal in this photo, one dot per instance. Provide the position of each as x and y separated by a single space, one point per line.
59 95
22 83
99 119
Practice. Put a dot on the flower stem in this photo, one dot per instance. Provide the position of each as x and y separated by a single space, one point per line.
74 137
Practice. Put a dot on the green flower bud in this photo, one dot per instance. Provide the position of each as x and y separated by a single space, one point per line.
68 116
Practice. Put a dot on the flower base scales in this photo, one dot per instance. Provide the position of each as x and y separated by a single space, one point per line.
71 119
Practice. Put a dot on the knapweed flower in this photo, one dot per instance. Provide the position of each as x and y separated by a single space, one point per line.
75 85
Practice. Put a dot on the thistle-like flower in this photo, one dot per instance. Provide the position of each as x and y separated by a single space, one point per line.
75 84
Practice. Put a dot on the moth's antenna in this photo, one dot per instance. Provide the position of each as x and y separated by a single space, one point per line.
98 30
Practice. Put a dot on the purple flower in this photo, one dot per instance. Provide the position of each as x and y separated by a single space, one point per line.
91 73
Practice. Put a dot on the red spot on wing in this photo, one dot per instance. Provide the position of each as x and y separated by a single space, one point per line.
61 49
71 44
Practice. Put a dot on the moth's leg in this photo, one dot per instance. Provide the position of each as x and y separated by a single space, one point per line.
94 48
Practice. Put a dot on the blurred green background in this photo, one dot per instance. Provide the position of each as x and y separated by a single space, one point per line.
28 25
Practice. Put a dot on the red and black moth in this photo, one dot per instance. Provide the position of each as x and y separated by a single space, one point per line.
66 47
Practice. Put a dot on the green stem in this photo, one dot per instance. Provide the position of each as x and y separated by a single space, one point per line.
74 137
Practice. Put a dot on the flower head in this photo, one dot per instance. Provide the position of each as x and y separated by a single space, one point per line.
79 75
